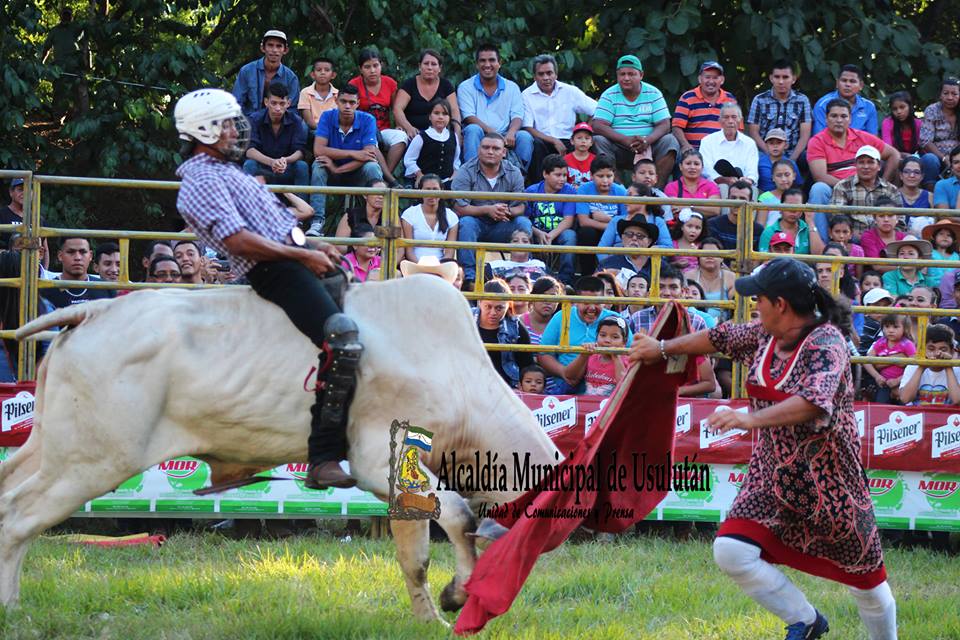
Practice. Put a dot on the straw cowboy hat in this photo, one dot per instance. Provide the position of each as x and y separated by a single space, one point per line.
931 230
923 247
430 264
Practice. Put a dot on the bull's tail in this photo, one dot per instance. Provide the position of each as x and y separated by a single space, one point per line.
69 316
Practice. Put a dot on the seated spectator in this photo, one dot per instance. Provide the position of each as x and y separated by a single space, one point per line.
841 231
912 196
863 113
693 291
106 261
371 213
692 183
896 342
488 220
429 220
518 260
593 217
697 113
874 297
863 189
846 283
793 222
637 287
533 379
585 318
418 96
164 269
611 289
946 195
645 173
940 131
75 256
871 279
724 227
943 236
784 179
875 239
345 152
458 278
520 284
901 129
254 76
497 325
652 213
904 278
688 235
632 121
361 260
714 278
600 372
434 149
920 385
154 249
189 257
781 242
671 288
954 321
538 313
277 139
579 160
376 92
320 96
489 103
636 233
730 145
780 107
553 221
776 149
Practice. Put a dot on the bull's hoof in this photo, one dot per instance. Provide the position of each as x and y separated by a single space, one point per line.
452 598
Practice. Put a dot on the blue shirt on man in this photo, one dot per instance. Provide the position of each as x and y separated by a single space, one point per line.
251 85
863 114
362 133
495 111
946 192
291 137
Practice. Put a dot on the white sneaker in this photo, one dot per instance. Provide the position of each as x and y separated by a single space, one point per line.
315 230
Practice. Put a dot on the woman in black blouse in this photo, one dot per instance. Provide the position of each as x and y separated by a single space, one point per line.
411 107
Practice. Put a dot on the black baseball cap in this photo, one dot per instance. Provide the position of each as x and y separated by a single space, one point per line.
779 278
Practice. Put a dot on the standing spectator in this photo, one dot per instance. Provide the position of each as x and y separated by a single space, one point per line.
106 261
875 239
255 77
724 227
593 217
940 131
164 270
370 212
345 152
277 139
780 107
912 195
692 183
552 221
533 379
732 145
903 279
652 213
488 220
863 113
377 92
946 195
361 260
321 95
925 386
418 95
901 129
550 110
697 113
436 149
784 180
497 325
489 103
155 248
943 235
896 343
865 188
776 147
189 258
75 256
430 220
579 160
632 119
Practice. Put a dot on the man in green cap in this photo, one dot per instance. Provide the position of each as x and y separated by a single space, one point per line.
632 121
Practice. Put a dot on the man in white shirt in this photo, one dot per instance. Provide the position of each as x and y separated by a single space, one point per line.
732 145
550 110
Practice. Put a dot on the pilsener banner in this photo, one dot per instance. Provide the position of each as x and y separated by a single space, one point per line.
912 455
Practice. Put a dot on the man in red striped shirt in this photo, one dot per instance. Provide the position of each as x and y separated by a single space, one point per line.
697 113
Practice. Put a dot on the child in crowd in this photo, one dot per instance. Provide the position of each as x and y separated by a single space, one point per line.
429 220
693 291
797 224
435 150
360 261
645 173
637 287
533 379
784 177
580 159
870 279
688 235
600 371
903 279
896 343
933 385
593 217
901 129
943 236
875 297
841 232
517 260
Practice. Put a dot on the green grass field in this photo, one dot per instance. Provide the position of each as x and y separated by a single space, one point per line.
206 586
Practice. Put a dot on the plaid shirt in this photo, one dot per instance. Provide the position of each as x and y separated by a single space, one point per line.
218 200
850 192
644 319
769 113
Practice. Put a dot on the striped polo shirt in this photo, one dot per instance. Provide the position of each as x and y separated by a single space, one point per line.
632 117
697 116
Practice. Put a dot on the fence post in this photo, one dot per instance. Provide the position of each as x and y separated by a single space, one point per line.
391 210
741 313
29 275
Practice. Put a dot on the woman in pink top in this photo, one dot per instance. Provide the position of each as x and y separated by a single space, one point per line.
692 184
901 129
875 239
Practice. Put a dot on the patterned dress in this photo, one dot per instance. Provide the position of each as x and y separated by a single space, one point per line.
805 500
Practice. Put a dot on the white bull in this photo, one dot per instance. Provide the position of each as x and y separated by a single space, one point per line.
223 375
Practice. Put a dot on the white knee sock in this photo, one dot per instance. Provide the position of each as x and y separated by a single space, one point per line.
762 581
878 610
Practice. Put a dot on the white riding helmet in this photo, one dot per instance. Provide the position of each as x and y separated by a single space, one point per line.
200 114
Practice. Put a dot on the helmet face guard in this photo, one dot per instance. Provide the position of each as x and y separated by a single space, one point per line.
236 151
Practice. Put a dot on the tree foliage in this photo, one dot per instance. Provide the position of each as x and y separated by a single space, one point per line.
66 110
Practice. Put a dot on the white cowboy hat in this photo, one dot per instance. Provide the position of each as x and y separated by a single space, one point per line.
430 264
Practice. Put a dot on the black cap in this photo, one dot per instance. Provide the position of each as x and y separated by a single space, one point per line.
779 278
650 229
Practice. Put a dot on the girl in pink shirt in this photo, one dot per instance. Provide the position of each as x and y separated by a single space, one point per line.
600 371
360 261
901 129
896 343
